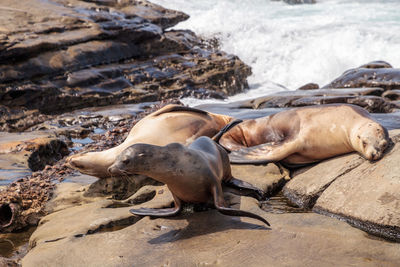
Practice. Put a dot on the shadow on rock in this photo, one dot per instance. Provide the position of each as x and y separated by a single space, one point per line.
203 223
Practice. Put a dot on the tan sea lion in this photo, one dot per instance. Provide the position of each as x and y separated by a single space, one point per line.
193 174
172 123
306 135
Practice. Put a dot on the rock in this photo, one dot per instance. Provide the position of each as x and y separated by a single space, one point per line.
285 98
367 197
376 65
202 238
22 153
119 187
67 195
309 86
374 74
362 193
296 2
391 95
305 188
81 54
368 98
269 178
8 263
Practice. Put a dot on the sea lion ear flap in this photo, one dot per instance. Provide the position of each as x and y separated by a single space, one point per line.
226 128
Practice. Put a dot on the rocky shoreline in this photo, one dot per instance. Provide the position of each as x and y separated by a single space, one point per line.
78 76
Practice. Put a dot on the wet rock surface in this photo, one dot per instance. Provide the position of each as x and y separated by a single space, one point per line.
106 234
94 53
369 98
374 74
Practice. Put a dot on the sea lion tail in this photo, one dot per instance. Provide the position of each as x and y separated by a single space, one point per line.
225 129
174 108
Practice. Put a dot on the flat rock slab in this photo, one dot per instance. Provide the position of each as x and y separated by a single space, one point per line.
268 178
304 189
209 238
368 196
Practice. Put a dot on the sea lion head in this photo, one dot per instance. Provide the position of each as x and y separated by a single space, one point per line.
91 163
135 159
372 140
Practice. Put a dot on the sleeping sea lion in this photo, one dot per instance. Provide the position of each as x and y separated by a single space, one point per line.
192 173
306 135
172 123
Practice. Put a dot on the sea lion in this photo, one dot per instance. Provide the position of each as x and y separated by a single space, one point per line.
192 173
306 135
172 123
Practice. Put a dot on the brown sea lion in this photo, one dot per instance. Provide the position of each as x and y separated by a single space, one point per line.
306 135
192 173
172 123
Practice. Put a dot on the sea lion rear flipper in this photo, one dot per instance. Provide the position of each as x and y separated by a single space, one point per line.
175 108
262 154
220 205
245 188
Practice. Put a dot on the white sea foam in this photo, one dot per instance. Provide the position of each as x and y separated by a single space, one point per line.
294 45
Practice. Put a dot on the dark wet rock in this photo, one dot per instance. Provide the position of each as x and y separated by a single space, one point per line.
95 53
309 86
374 74
296 2
8 262
366 97
376 65
391 95
19 118
27 152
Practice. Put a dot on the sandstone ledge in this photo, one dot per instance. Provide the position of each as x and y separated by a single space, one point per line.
365 194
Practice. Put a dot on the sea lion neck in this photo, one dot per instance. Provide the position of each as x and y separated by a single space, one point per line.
161 163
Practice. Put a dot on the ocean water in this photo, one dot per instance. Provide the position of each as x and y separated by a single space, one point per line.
288 46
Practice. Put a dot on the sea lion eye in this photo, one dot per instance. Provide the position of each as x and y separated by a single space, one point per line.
364 144
125 161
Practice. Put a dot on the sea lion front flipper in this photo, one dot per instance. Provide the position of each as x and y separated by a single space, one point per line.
220 205
262 154
246 188
155 212
159 212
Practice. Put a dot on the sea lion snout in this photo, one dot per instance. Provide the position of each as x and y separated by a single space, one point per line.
115 170
375 152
